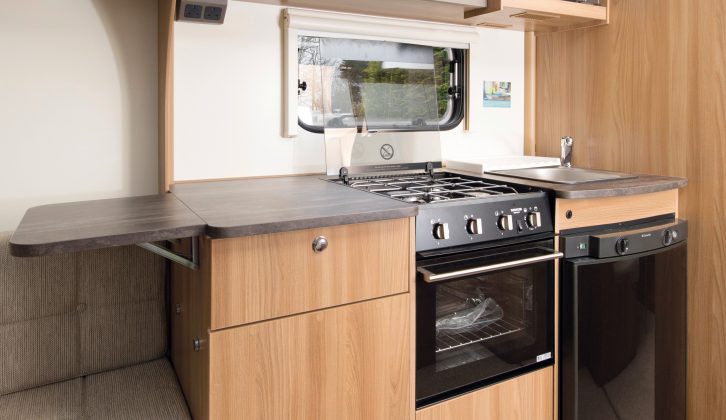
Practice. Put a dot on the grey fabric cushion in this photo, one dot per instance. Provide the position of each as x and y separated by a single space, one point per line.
72 315
61 401
124 321
146 391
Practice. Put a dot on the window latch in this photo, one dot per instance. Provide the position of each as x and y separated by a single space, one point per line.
455 92
302 86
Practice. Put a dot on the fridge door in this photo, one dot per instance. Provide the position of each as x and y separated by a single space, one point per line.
623 336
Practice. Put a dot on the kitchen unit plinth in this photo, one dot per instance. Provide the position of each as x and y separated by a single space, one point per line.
526 397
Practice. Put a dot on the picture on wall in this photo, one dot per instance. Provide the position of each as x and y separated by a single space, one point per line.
497 94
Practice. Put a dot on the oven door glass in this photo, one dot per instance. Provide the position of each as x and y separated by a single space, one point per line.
483 317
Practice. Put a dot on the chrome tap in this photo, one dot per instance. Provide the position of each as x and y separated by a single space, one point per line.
566 155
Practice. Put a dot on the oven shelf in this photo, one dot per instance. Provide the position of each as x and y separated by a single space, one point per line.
453 340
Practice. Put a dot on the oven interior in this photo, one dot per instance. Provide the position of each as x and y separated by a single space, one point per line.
489 311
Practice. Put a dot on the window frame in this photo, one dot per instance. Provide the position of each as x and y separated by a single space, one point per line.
458 109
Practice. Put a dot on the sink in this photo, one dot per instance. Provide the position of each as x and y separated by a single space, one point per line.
565 175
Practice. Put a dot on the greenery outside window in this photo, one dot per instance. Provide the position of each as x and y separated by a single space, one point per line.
404 87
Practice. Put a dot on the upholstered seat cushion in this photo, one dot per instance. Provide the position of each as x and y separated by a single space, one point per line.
146 391
73 315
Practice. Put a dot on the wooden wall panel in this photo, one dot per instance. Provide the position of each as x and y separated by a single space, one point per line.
166 11
648 94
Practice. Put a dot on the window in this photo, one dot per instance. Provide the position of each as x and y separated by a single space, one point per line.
381 85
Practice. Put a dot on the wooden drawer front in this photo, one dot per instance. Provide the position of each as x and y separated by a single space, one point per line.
350 362
602 211
528 397
262 277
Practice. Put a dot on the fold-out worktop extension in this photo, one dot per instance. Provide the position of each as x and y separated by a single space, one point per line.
88 225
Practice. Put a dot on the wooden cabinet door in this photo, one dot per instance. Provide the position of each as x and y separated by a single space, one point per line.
527 397
255 278
351 362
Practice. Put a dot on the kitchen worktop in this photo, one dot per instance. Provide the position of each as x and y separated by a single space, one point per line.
268 205
642 184
219 209
87 225
225 209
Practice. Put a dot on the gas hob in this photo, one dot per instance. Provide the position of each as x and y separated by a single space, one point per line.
428 188
457 210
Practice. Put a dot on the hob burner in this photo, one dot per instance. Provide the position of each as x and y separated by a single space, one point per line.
428 188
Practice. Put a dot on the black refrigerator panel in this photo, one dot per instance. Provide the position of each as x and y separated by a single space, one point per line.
623 337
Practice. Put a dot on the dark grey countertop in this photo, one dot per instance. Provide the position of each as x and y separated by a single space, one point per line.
86 225
224 209
643 184
268 205
220 209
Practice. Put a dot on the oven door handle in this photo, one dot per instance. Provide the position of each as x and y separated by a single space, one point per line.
430 277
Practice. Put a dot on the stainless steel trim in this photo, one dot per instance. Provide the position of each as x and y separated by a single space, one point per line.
566 152
430 277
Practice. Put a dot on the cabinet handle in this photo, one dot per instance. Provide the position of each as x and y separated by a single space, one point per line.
320 244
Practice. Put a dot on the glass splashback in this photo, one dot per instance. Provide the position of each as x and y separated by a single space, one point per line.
379 102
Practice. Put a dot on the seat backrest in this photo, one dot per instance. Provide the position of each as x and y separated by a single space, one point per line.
71 315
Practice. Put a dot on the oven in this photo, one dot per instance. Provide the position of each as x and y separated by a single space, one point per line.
483 316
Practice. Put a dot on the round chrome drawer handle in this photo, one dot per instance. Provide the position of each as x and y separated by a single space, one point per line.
320 244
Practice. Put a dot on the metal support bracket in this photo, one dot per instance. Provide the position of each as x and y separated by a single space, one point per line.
184 260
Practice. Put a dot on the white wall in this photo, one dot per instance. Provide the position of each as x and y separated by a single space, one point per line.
78 102
226 126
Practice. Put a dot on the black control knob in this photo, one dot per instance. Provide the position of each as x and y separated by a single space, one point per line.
474 227
534 219
622 246
505 222
668 236
441 231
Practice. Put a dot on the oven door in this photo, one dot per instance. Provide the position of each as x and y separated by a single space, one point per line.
482 317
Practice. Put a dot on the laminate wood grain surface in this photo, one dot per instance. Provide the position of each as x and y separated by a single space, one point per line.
447 11
166 11
268 276
526 397
86 225
268 205
647 94
350 362
537 15
608 210
189 314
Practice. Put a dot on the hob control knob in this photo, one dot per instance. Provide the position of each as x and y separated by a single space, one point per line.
668 237
441 231
505 222
474 227
622 246
534 219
